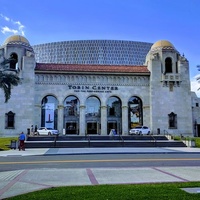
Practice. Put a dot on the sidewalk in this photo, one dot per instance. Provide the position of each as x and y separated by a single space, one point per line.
73 151
17 182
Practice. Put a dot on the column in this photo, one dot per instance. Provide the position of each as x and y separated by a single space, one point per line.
82 122
103 120
37 115
125 120
60 118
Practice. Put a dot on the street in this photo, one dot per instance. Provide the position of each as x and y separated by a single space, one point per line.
11 163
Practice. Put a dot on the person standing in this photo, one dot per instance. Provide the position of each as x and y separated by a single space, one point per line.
22 138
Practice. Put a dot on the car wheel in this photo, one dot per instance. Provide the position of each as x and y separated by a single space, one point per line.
140 133
49 133
148 133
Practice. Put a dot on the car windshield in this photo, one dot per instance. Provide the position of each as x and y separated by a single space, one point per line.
49 128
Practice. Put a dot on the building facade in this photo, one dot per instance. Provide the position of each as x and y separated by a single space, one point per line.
91 87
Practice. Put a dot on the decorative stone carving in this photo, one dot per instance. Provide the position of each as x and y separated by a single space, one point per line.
54 79
155 56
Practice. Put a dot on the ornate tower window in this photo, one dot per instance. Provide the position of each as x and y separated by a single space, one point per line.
13 61
10 120
168 65
172 118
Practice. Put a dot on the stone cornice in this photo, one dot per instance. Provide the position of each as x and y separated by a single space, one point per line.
58 79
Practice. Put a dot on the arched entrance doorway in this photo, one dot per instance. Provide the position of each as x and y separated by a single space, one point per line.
135 112
49 112
71 115
114 115
92 115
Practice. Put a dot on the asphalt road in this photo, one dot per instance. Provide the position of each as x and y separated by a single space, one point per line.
98 161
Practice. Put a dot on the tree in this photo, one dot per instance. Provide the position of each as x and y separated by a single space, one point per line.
198 78
7 80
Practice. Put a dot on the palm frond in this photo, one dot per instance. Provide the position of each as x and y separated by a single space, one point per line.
6 83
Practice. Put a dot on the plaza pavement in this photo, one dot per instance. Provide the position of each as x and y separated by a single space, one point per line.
17 182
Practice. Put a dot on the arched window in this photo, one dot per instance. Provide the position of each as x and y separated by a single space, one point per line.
71 105
10 120
114 115
92 106
135 112
168 65
49 109
114 106
71 115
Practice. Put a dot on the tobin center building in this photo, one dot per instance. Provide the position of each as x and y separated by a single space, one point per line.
93 86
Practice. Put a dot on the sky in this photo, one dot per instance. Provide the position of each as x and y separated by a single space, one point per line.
45 21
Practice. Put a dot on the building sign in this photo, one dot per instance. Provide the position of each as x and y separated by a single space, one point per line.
88 88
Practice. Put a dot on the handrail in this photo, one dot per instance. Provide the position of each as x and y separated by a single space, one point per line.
121 138
153 139
55 139
88 138
165 132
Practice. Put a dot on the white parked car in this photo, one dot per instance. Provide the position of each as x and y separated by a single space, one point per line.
47 131
140 130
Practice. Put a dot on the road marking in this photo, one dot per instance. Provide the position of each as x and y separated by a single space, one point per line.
93 161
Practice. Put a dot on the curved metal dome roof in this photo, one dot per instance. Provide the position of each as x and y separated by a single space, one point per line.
162 44
16 38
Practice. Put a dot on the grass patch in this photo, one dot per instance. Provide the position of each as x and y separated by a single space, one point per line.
177 138
5 142
197 141
164 191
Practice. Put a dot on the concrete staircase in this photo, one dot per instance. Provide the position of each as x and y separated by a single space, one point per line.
74 141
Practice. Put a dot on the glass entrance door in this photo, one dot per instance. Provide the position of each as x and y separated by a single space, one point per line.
111 125
71 128
92 128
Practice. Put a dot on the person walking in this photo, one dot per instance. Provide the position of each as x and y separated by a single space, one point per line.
22 138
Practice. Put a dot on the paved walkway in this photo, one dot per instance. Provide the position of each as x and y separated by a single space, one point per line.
71 151
17 182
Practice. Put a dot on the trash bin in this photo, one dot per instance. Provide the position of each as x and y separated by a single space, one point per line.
158 131
13 144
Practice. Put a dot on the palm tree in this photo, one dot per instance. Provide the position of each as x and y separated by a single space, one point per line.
7 80
198 78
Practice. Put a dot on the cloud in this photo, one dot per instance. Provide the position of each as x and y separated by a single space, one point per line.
5 18
15 27
5 29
